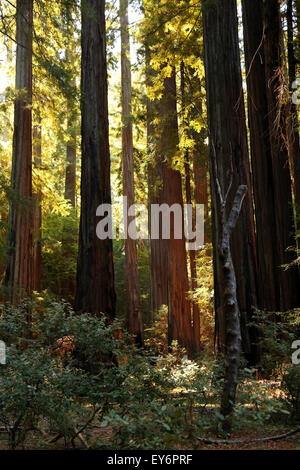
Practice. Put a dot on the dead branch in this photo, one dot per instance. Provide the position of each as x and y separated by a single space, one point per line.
245 441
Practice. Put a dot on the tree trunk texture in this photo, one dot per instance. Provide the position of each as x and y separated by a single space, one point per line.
95 270
284 223
232 314
158 254
292 118
200 157
134 314
37 215
201 191
263 185
70 180
179 307
19 270
228 139
68 237
192 253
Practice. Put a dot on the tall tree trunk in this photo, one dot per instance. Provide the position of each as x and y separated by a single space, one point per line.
201 190
20 243
37 215
233 327
200 157
292 119
134 314
263 186
192 253
284 223
193 266
179 323
70 180
95 270
69 238
228 140
158 254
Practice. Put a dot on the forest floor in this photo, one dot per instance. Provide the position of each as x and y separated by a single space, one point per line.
104 436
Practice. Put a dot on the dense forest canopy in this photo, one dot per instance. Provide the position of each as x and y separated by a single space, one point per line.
149 216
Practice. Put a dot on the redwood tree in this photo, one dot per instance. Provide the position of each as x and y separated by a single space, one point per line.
292 118
19 268
37 212
134 314
269 156
70 179
179 307
69 238
228 141
284 222
263 189
157 255
192 253
95 271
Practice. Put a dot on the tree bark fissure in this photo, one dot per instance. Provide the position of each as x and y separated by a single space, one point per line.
37 215
134 314
19 270
95 270
228 136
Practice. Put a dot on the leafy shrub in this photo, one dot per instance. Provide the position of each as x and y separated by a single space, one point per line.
146 405
204 296
277 332
105 383
34 386
258 401
166 406
156 337
291 386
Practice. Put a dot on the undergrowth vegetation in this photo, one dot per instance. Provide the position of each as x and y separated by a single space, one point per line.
75 378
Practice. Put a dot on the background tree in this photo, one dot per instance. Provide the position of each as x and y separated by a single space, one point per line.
135 320
95 271
179 308
37 211
284 222
19 270
228 141
292 118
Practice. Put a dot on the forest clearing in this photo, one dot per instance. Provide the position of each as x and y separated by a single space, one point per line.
149 225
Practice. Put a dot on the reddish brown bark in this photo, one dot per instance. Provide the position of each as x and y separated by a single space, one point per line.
193 267
179 324
95 271
134 314
70 181
192 253
19 268
284 222
69 238
263 191
200 175
228 140
37 213
292 118
158 254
